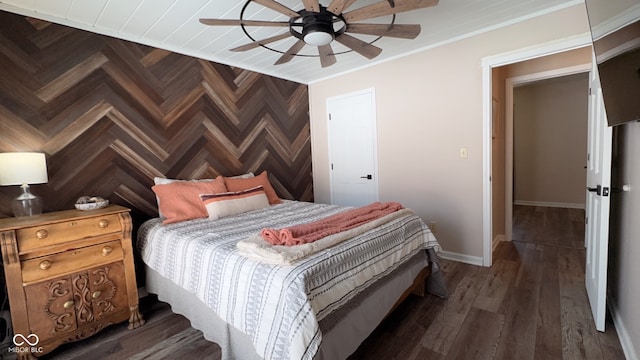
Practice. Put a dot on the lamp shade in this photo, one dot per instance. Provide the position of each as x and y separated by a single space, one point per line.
17 168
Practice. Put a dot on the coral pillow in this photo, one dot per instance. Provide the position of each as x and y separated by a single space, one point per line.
232 203
235 184
180 200
161 181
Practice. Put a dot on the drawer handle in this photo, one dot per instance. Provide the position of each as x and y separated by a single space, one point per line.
45 265
68 304
96 294
103 223
106 250
42 234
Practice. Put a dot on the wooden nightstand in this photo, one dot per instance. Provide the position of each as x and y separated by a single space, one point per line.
69 274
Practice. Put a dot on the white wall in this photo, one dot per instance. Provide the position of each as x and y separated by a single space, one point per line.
428 106
550 141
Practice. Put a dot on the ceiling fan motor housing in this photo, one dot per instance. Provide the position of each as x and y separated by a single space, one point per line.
317 28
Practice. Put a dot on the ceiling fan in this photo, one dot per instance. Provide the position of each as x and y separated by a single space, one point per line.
317 25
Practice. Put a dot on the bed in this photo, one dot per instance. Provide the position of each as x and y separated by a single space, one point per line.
321 305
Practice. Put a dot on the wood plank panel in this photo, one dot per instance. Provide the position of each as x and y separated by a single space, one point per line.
112 114
479 336
548 333
494 291
579 336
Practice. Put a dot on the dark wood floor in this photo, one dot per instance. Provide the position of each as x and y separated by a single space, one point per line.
531 304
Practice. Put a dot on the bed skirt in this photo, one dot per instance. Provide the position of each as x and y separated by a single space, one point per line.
342 331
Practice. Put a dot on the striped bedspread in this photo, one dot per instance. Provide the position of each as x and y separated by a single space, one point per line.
278 306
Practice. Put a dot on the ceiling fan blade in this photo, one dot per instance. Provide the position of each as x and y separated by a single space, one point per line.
276 6
383 8
365 49
392 30
293 50
327 58
257 43
233 22
338 6
311 5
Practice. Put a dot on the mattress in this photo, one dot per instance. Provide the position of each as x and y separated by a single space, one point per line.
279 308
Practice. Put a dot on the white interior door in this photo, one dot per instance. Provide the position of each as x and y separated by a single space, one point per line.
598 199
352 149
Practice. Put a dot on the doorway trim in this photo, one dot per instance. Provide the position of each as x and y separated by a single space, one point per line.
510 83
488 63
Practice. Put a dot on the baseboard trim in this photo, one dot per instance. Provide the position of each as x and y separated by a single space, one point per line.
623 334
467 259
549 204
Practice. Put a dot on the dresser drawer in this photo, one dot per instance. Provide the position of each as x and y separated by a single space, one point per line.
69 261
32 238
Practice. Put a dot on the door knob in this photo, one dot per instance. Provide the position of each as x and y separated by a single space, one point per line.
597 190
368 177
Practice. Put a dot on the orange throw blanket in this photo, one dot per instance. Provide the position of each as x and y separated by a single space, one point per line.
310 232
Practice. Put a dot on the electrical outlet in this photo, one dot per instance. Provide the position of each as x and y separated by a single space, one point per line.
432 227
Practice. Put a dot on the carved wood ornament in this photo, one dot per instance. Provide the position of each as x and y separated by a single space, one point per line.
56 291
105 300
82 298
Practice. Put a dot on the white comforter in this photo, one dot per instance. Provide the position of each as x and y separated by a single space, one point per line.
278 306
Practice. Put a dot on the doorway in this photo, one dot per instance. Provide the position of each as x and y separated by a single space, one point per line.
546 61
488 84
549 143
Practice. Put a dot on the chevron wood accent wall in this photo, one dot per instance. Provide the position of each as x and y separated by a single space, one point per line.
111 115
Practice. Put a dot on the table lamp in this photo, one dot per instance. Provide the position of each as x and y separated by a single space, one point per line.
24 168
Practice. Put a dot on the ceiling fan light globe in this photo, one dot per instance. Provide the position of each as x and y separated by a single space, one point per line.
318 38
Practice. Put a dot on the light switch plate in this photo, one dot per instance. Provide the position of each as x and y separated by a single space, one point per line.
464 153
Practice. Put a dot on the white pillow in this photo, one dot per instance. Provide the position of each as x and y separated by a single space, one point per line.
161 181
243 176
232 203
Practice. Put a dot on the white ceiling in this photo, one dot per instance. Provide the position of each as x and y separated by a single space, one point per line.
174 25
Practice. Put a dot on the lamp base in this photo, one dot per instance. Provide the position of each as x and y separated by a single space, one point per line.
26 204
